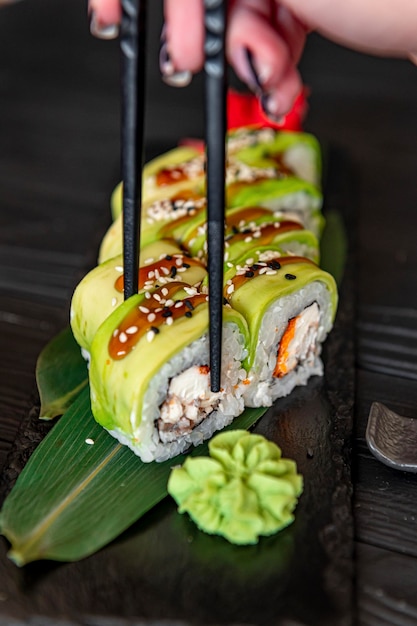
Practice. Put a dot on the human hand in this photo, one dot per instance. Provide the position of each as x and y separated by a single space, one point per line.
265 38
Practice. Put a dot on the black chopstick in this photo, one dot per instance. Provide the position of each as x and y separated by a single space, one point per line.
215 113
132 48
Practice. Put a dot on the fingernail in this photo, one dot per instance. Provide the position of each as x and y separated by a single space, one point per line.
250 70
271 107
254 78
169 75
100 30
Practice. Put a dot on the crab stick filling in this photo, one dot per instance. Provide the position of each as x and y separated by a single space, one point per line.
299 341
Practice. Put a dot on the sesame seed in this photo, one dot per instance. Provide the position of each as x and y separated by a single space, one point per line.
114 301
230 289
155 330
143 309
169 321
270 272
89 441
150 335
167 313
157 297
151 317
132 330
249 274
122 337
119 268
290 276
275 265
164 291
188 314
169 302
189 305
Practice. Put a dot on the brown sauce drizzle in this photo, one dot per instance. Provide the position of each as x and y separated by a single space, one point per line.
259 268
149 315
268 232
167 268
247 214
170 176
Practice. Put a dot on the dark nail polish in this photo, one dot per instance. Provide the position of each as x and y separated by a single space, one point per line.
256 83
266 104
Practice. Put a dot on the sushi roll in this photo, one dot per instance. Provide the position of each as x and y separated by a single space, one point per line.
166 218
101 291
253 227
289 198
278 170
179 168
289 304
150 376
275 154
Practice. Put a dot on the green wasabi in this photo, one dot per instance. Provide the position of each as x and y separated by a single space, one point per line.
243 490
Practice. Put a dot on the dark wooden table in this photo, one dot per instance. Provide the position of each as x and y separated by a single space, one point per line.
59 143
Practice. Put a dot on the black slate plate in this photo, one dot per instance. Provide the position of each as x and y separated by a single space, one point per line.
165 569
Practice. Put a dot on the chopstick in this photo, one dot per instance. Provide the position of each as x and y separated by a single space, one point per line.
132 48
215 114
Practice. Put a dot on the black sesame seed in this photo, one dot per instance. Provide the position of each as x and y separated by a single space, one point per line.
235 230
290 276
188 314
173 271
225 301
189 305
167 313
154 329
186 265
256 267
274 265
168 257
249 274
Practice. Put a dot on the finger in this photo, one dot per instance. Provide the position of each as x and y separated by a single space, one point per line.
280 99
254 30
185 33
291 30
106 11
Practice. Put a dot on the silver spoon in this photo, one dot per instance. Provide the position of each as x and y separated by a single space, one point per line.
392 438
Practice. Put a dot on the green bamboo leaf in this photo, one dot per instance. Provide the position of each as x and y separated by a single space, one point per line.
61 374
334 246
81 489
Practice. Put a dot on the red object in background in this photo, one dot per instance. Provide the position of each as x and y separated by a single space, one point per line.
244 109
